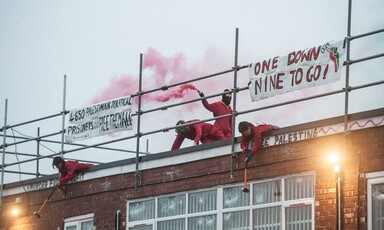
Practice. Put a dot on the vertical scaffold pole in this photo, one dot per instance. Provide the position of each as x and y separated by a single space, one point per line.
137 172
340 205
3 158
234 100
63 117
38 153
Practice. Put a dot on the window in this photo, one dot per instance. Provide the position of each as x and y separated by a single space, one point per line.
84 222
143 210
284 203
202 201
267 192
171 206
376 202
147 227
298 217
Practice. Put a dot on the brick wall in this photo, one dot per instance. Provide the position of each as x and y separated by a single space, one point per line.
104 196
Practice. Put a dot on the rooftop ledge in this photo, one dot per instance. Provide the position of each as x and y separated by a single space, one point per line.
281 136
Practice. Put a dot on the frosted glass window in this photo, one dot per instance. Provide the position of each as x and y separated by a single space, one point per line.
178 224
298 218
234 197
202 201
83 222
88 225
267 218
299 187
267 192
171 206
236 220
142 210
273 204
148 227
378 206
202 223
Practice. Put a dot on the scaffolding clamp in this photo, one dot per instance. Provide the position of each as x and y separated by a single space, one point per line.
348 89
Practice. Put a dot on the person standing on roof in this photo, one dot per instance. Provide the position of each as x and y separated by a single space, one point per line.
200 132
67 169
221 108
251 137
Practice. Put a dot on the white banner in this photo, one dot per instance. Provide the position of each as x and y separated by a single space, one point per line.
99 119
297 70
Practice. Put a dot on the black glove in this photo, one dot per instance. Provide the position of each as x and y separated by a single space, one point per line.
200 93
249 156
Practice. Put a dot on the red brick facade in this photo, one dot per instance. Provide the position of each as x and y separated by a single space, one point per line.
105 195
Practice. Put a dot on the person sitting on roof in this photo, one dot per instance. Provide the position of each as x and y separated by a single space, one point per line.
67 169
200 132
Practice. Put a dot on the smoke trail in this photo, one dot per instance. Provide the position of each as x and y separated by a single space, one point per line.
177 93
118 87
158 71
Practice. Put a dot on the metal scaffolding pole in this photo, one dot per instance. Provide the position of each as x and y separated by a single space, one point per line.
38 153
63 116
166 87
3 157
137 172
72 144
31 121
234 100
346 128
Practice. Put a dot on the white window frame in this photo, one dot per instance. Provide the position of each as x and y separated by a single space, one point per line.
372 178
220 211
77 220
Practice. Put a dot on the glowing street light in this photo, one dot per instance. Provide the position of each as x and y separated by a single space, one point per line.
15 211
334 159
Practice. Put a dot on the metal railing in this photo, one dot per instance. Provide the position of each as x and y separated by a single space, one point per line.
39 139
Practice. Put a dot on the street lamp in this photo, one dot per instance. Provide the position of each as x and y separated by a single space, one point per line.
335 160
15 211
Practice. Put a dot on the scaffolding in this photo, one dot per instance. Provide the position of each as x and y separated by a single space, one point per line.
40 140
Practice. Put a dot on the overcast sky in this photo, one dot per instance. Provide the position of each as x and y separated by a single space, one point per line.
97 45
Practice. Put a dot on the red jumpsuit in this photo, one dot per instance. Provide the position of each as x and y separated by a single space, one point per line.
69 169
255 138
219 109
201 132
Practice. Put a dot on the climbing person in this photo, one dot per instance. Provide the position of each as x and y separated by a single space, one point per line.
67 169
251 137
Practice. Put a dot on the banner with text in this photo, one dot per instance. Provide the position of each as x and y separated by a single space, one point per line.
298 70
99 119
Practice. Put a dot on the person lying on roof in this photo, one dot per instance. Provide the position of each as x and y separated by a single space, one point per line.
200 132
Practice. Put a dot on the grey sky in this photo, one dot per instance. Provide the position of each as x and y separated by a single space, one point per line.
94 42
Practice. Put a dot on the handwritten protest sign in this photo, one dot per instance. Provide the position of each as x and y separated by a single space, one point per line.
99 119
298 70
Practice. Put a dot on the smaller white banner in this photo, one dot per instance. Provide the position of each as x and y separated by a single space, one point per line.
298 70
99 119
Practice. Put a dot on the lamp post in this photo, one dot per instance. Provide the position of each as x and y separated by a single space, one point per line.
334 159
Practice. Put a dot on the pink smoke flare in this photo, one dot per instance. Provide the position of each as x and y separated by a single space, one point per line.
177 93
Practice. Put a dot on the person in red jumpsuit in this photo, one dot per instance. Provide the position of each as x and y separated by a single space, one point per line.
251 137
200 132
221 108
67 169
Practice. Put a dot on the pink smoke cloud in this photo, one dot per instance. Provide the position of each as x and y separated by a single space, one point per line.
158 71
